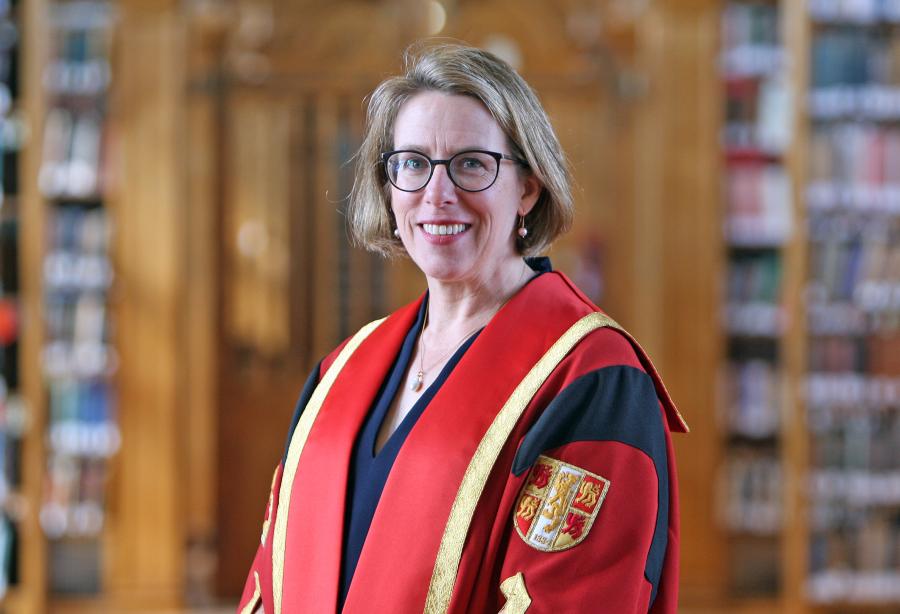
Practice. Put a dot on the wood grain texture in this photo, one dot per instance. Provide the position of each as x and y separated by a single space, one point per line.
32 595
678 251
795 451
145 556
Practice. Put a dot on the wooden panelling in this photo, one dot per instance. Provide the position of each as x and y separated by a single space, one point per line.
145 557
676 245
256 226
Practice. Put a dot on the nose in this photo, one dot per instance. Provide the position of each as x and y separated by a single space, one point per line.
440 190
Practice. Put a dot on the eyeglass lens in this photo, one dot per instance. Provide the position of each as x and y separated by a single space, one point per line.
470 170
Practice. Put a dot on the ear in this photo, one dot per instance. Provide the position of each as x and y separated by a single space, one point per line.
531 190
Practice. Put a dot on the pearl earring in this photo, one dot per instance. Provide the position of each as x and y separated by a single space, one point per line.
396 233
522 232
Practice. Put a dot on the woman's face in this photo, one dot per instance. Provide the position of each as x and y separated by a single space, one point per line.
451 234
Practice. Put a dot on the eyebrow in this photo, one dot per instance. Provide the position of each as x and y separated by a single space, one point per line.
423 150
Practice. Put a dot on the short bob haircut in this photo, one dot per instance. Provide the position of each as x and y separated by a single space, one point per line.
460 70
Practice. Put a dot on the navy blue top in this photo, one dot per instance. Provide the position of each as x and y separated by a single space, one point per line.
369 471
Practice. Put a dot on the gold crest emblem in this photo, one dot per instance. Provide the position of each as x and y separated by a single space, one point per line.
558 504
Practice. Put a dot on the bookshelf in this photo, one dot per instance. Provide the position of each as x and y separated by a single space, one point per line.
853 304
78 360
810 422
62 239
758 225
12 408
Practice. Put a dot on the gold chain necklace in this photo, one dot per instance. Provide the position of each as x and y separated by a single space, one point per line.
418 380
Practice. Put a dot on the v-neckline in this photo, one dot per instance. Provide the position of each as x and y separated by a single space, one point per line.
395 380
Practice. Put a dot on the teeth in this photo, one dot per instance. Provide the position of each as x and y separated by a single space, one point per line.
444 229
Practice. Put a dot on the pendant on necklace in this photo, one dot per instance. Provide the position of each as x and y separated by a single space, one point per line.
416 384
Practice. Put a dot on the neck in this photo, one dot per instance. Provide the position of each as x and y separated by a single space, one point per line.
457 306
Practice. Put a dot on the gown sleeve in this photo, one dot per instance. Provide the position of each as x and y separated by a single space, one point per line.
593 527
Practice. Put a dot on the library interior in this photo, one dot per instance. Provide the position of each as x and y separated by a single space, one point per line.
175 259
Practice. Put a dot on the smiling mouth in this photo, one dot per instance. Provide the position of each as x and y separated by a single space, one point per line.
445 229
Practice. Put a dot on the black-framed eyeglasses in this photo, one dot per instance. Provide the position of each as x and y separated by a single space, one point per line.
473 170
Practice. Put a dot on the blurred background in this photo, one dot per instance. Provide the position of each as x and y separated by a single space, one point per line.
174 259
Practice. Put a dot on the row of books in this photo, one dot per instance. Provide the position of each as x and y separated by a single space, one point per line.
82 45
874 313
66 271
855 74
871 362
754 277
757 118
82 230
855 11
825 196
873 310
753 288
755 319
851 488
843 585
750 492
77 319
849 226
80 401
759 211
752 399
74 499
853 262
856 561
862 159
855 57
856 439
72 165
855 102
750 40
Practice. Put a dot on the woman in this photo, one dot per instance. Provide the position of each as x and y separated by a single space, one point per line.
500 443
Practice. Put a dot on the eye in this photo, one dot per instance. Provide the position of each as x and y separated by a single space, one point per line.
471 164
413 163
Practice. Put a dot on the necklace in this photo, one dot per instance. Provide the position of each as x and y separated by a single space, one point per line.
418 379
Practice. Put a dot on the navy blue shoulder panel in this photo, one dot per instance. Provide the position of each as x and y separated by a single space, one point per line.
311 382
616 403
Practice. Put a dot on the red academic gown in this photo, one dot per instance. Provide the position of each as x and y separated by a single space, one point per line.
571 504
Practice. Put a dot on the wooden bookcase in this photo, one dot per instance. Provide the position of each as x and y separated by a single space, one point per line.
134 547
834 355
66 273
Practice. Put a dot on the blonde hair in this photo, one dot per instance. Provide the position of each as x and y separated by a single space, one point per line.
460 70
